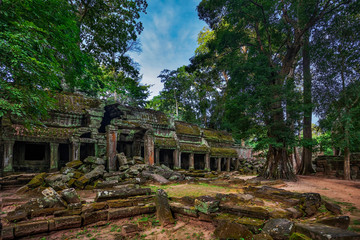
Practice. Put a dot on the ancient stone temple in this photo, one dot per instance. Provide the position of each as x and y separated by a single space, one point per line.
79 127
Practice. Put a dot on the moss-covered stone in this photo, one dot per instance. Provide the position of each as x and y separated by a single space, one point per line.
74 164
299 236
37 181
231 230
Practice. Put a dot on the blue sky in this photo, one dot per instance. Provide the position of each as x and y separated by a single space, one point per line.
169 38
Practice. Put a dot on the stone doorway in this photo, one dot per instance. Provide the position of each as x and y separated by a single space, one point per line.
199 161
185 160
31 157
167 157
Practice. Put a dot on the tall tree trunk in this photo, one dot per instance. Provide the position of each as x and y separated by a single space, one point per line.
347 152
306 166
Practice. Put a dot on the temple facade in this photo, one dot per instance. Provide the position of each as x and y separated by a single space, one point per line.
79 127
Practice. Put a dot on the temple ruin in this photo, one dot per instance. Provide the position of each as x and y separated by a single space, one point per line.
79 127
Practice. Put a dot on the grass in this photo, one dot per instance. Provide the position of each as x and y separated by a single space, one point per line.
193 189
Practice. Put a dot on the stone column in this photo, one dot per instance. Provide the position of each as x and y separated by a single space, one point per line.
111 144
149 148
166 159
75 151
8 156
191 161
228 163
180 159
128 150
219 164
157 156
176 159
237 164
207 162
54 156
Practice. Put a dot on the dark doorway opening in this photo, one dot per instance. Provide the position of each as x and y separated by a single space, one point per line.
64 154
125 147
167 158
199 161
86 150
31 157
185 160
223 164
213 164
34 151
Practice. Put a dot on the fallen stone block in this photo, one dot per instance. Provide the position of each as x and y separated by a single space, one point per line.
163 212
67 212
340 222
279 229
247 211
37 181
310 203
70 196
332 207
67 222
93 217
323 232
74 164
207 204
123 193
130 211
45 212
17 216
31 228
262 236
7 233
253 224
180 208
231 230
91 207
130 228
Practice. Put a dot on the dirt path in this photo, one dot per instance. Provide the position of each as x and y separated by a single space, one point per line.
340 190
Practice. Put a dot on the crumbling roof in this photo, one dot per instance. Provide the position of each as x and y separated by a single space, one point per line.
187 128
217 136
165 143
223 152
75 103
195 148
19 130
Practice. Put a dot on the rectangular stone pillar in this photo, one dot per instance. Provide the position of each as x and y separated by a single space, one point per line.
237 164
228 163
219 164
157 156
149 149
54 156
8 156
111 144
180 159
191 162
176 159
75 151
207 162
166 159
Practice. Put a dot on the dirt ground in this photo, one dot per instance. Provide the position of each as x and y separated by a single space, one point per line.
339 190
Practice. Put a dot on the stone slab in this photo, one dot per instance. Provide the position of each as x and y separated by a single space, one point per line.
323 232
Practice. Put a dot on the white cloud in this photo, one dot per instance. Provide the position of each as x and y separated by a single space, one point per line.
168 39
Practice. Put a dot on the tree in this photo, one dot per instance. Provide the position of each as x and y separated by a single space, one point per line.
108 31
338 74
38 46
260 42
67 45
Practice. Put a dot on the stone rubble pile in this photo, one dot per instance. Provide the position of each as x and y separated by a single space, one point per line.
258 213
64 210
251 166
91 174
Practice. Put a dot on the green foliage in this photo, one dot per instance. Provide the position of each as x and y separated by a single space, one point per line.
59 45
